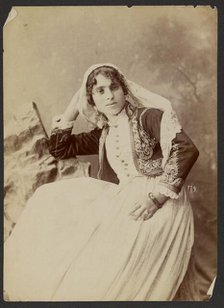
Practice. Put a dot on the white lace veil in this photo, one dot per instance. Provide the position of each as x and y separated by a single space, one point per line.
137 96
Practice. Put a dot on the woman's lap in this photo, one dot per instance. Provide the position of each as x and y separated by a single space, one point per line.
75 221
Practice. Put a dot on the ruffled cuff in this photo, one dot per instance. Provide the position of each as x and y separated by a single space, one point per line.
166 192
59 123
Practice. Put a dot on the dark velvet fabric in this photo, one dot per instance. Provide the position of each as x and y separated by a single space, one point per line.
64 144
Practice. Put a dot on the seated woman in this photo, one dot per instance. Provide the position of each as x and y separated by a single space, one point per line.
126 236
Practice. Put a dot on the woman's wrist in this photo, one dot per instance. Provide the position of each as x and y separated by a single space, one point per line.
160 197
157 198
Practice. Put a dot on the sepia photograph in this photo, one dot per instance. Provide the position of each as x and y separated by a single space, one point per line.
110 153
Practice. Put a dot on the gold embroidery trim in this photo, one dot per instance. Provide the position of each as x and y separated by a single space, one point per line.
144 146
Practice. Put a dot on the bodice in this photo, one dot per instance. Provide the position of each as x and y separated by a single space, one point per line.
119 150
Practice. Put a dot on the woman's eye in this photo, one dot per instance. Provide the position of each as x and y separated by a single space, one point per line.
101 91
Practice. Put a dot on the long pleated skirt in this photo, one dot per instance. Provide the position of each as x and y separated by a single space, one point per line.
76 241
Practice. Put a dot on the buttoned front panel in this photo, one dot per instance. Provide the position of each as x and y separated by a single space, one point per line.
119 149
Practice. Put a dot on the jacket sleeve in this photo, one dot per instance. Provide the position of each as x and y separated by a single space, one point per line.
182 156
63 144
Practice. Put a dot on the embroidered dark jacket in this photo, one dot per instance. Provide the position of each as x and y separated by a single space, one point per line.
147 154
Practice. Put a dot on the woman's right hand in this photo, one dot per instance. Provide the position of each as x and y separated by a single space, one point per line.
58 122
144 210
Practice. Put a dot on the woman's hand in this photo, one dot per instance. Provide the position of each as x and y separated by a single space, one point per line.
144 210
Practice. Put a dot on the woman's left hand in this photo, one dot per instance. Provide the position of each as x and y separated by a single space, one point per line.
144 210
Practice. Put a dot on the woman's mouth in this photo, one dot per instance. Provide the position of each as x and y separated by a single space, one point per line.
111 104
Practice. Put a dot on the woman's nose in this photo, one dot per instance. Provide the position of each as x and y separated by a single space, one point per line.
109 94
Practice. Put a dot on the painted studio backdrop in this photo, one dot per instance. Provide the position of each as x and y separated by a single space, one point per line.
169 50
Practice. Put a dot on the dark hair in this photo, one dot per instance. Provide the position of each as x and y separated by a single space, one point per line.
107 71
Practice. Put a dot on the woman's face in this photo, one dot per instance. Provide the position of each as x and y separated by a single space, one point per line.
108 96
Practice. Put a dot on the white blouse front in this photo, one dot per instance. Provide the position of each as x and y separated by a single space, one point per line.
119 150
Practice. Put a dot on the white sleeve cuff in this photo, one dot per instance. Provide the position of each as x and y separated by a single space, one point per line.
58 122
166 191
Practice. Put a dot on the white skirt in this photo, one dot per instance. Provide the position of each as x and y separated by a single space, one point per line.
76 241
